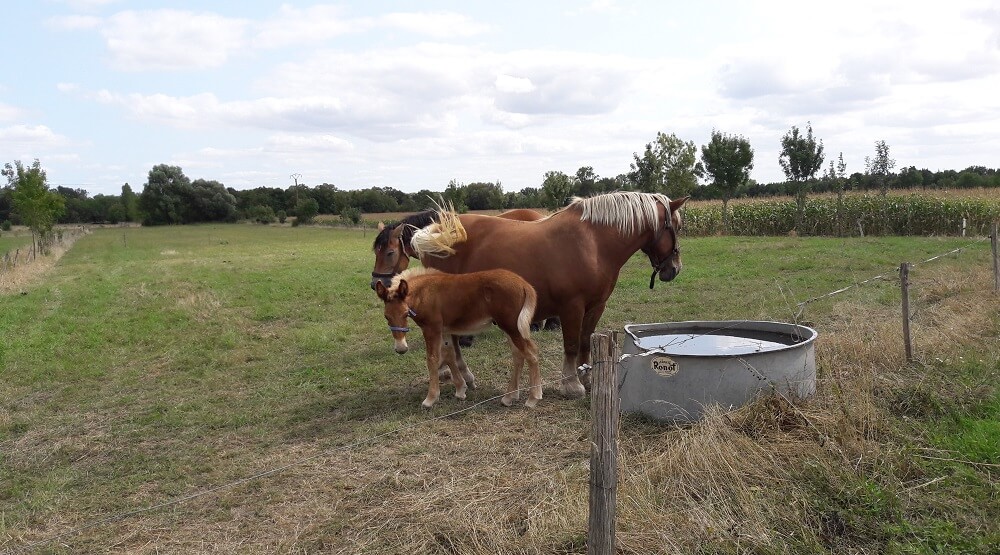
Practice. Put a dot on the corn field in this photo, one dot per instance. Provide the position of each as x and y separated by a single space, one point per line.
852 215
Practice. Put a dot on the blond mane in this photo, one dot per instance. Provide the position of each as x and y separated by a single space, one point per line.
630 212
408 274
438 238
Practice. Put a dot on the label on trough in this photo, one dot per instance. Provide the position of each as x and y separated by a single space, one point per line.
664 366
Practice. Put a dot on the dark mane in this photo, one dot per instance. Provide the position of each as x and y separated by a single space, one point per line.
418 220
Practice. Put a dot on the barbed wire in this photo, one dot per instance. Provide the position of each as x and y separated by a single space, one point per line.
891 274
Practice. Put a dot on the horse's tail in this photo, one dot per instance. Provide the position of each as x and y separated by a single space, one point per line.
437 239
527 310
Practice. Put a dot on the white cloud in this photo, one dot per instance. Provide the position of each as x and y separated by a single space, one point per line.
439 25
19 137
313 24
171 39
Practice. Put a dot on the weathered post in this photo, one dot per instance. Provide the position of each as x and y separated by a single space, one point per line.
604 406
996 263
904 284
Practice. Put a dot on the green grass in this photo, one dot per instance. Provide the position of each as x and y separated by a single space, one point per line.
154 362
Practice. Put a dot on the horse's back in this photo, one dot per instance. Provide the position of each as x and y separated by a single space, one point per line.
521 215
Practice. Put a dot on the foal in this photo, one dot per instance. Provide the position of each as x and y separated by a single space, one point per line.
464 304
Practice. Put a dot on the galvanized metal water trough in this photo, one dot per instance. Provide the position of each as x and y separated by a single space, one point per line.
673 371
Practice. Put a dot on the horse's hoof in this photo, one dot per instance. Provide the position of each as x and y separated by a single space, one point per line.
506 400
534 326
460 395
465 341
531 402
573 390
427 403
552 324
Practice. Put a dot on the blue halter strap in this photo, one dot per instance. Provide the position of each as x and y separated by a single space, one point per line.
404 329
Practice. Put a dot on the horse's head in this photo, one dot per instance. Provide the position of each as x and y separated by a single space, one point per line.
390 256
663 250
396 312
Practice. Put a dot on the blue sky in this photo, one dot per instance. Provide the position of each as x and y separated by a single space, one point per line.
414 94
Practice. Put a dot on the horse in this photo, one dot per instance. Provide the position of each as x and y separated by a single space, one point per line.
392 252
441 303
572 258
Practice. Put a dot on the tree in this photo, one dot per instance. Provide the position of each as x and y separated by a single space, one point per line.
800 159
880 167
37 206
668 165
306 210
484 196
164 196
586 181
210 202
557 188
130 202
728 160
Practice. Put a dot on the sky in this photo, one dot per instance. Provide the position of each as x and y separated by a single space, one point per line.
413 95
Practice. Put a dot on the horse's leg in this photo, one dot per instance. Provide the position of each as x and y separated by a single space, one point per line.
572 324
462 367
526 350
432 339
444 372
513 386
534 373
590 320
450 357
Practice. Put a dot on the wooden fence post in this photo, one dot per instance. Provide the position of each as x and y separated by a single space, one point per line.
996 263
604 406
904 284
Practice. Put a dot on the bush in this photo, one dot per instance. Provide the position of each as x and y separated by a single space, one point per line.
5 225
282 216
350 216
261 214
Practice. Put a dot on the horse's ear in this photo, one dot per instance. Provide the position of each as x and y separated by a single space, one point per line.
381 291
675 204
402 289
381 226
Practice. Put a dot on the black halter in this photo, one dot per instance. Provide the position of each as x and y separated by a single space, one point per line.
404 329
668 225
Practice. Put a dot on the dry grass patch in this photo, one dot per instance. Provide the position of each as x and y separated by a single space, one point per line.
29 274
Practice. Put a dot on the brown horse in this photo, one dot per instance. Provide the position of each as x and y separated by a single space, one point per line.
443 303
392 252
572 258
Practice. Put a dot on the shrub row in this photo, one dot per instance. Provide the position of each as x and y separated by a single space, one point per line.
853 215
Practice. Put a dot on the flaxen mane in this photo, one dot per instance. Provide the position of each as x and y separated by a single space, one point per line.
437 239
630 212
411 222
408 274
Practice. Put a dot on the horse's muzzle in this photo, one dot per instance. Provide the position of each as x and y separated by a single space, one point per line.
669 273
386 280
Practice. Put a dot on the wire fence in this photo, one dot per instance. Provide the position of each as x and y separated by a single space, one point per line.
101 521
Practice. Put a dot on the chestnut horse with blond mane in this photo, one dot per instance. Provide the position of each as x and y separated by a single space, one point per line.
443 303
572 258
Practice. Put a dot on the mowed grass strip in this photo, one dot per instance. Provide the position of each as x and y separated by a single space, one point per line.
154 363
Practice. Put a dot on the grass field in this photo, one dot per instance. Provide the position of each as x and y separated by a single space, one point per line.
152 365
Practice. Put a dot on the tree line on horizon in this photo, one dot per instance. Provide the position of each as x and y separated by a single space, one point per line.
667 165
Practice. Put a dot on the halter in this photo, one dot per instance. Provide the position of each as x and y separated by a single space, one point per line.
668 225
390 275
404 329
